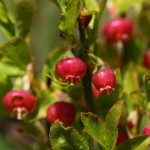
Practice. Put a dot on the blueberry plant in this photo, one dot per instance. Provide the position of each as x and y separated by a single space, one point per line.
74 74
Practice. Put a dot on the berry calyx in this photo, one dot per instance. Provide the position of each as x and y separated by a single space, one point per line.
146 130
19 102
61 111
118 29
104 80
146 59
122 137
71 69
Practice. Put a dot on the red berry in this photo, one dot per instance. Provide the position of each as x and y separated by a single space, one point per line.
118 29
71 69
19 102
85 20
122 137
96 92
104 80
146 130
61 111
146 59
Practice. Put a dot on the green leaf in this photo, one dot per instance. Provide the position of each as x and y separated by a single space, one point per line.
44 33
112 120
62 138
130 79
147 86
139 100
6 144
106 101
15 52
3 16
104 132
24 11
137 143
91 5
6 24
68 18
129 106
95 127
9 70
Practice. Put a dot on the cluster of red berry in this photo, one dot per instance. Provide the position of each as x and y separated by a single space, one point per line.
72 70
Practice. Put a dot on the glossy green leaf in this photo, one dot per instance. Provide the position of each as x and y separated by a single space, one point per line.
139 100
15 53
68 138
104 132
137 143
147 86
68 18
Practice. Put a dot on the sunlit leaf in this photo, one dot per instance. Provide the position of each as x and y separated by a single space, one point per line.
15 52
69 17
